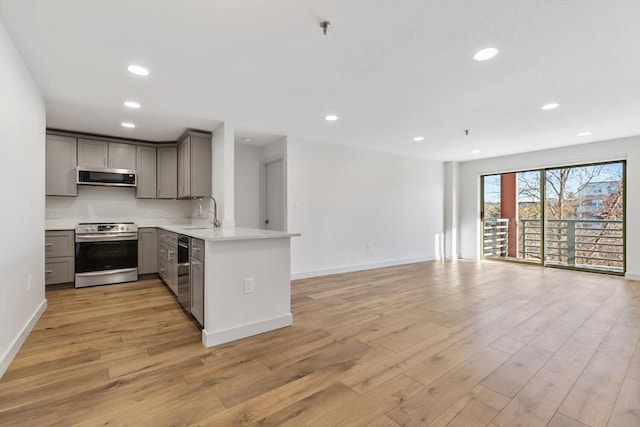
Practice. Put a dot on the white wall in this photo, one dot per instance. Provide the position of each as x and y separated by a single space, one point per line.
247 186
249 180
350 197
22 149
618 149
96 203
223 164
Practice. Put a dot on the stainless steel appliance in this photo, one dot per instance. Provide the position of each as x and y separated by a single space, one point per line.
191 277
184 272
106 253
105 176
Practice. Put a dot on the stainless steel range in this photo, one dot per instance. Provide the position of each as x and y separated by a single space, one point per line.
106 253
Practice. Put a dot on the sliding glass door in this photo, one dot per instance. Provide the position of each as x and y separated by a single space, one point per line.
512 211
584 217
579 223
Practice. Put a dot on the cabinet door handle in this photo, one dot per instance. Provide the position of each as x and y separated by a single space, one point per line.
48 244
104 161
48 271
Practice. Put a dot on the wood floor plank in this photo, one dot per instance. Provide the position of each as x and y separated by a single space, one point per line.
509 378
372 405
626 411
537 402
478 407
593 395
433 342
427 405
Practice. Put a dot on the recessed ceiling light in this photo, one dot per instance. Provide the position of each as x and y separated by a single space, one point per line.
331 118
138 70
484 54
476 152
550 106
131 104
584 134
127 125
418 138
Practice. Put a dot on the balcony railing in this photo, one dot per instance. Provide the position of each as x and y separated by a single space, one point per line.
582 243
496 237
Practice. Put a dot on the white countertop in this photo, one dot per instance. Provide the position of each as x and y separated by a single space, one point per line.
184 226
70 224
222 234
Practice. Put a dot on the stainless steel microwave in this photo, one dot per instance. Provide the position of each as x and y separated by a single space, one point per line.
105 176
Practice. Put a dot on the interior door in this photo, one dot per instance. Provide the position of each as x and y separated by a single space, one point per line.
274 196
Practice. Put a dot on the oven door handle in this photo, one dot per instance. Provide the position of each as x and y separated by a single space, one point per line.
106 237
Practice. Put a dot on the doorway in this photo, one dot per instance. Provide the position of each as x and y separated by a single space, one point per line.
569 217
273 191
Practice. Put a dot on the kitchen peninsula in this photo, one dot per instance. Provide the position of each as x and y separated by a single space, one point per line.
233 307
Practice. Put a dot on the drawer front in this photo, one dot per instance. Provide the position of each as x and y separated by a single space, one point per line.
59 270
58 244
167 237
197 249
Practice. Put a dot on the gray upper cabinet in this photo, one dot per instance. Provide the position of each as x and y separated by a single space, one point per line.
146 172
184 167
93 153
122 156
194 165
167 174
60 169
103 154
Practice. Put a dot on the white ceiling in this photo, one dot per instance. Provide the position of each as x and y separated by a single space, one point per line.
390 70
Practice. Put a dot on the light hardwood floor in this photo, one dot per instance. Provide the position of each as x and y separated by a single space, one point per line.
436 343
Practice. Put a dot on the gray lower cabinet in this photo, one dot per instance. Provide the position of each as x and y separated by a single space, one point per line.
197 279
168 259
59 262
60 169
147 250
167 173
146 166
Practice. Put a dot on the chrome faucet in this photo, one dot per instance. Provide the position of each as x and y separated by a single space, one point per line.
216 223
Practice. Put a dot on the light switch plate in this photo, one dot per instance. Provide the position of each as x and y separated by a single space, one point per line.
248 285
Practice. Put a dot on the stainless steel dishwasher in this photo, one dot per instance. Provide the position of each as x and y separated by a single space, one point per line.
184 272
191 276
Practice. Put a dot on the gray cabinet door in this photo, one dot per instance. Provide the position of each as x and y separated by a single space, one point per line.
147 250
167 173
200 166
146 165
60 168
184 168
93 153
197 290
194 166
122 156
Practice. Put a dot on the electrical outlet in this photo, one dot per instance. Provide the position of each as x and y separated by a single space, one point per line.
199 211
296 206
369 247
29 282
248 285
54 213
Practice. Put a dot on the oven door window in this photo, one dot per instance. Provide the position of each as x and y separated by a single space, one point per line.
102 256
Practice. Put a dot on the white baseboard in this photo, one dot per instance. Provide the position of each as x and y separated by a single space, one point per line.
13 349
632 276
209 339
360 267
